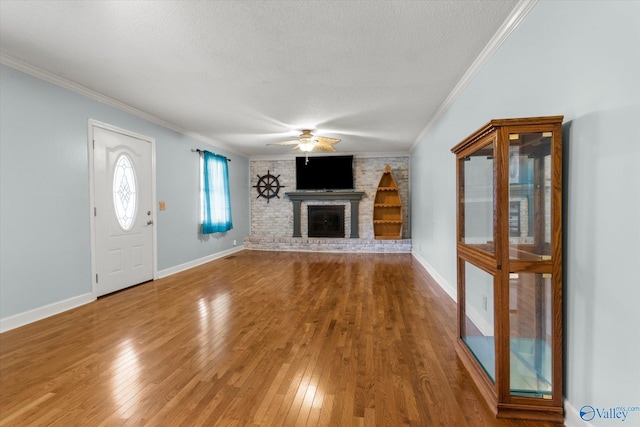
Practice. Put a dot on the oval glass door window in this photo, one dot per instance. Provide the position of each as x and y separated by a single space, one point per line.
125 195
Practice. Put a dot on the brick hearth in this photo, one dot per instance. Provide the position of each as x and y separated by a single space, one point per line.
268 243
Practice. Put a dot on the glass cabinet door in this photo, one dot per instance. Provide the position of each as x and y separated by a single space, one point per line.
529 195
478 332
530 231
530 341
477 175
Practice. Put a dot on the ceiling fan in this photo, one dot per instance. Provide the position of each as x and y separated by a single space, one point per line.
307 142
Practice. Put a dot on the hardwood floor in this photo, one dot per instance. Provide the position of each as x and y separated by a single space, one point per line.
257 338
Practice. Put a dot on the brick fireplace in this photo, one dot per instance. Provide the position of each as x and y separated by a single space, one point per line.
273 223
297 197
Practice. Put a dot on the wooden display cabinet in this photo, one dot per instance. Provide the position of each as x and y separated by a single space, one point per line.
387 208
509 261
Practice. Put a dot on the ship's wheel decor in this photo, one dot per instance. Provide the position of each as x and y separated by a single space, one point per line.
268 186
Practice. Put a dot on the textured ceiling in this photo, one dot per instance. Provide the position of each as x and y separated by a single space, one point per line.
247 73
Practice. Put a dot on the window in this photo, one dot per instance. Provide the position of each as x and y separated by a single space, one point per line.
125 195
215 197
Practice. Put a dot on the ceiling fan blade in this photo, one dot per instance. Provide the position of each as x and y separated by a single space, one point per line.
292 142
325 140
324 147
316 148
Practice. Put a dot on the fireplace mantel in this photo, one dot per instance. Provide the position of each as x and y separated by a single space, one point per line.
297 197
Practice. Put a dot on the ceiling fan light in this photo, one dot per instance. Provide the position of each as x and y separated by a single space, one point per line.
306 145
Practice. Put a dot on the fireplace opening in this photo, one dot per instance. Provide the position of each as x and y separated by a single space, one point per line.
326 221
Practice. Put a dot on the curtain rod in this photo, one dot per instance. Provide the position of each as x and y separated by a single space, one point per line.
197 150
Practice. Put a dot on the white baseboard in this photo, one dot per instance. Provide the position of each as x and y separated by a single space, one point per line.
450 290
21 319
196 262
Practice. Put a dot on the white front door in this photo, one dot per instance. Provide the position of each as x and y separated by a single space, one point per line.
123 211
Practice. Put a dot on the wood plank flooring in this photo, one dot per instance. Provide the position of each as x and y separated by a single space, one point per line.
254 339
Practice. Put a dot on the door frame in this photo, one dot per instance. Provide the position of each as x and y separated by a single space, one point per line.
154 235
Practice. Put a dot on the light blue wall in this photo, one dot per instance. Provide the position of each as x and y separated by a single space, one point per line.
580 59
44 188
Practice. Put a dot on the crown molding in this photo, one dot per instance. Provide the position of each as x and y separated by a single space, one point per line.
521 10
41 74
292 156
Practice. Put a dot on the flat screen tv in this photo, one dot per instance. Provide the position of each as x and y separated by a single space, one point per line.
324 173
